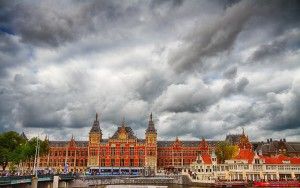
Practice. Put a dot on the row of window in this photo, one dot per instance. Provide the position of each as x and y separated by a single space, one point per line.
268 167
70 153
210 168
114 151
175 162
239 167
180 153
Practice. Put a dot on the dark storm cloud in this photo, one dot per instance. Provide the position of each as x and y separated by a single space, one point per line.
186 125
174 3
190 97
286 115
280 15
267 50
216 37
230 73
195 96
12 52
53 23
241 84
288 42
63 61
235 87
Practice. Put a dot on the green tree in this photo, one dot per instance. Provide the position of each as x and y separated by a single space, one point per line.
10 142
15 149
29 150
225 151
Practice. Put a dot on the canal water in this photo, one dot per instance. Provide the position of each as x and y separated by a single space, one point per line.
148 186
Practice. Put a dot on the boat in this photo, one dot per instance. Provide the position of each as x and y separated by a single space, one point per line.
136 186
230 184
278 183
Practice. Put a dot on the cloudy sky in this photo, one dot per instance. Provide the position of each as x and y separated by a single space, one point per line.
204 68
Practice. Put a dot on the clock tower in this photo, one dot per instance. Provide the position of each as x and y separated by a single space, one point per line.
151 147
95 137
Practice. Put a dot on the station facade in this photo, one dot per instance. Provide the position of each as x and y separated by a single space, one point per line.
123 153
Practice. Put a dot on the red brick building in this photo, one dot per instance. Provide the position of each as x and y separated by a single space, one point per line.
179 154
123 153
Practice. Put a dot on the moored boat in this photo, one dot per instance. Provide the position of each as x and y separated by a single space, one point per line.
230 184
280 183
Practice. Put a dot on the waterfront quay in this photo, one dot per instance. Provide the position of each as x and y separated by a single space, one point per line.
64 181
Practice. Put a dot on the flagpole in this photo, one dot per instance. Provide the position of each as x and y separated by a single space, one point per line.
38 154
35 159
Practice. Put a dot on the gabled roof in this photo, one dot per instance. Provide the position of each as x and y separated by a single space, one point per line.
128 130
206 159
274 146
233 139
281 159
65 143
203 144
185 143
245 154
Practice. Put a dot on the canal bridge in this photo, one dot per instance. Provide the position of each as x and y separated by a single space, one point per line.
17 181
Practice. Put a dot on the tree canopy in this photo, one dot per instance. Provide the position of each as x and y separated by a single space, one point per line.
225 151
14 148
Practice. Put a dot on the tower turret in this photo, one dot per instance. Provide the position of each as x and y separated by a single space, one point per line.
244 142
151 128
151 146
95 137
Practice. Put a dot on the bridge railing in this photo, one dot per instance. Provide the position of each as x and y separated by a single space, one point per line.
67 176
8 180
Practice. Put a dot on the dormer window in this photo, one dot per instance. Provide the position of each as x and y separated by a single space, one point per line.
199 161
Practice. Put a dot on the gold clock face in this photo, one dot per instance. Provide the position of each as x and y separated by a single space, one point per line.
122 135
94 139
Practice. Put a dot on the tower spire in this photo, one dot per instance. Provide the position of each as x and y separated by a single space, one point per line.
123 122
96 125
151 127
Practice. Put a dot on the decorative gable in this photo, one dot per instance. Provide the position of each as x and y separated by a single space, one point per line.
122 134
177 143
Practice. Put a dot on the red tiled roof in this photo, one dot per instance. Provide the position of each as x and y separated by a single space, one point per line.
275 160
203 145
245 154
206 159
280 159
295 160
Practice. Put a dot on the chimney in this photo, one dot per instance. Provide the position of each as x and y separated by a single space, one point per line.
270 139
284 140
